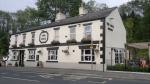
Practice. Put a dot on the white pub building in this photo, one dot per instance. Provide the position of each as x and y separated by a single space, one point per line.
88 41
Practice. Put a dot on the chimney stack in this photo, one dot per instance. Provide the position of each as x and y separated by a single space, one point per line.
60 16
82 10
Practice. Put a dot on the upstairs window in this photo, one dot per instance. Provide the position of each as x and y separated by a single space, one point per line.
24 38
72 33
16 38
56 36
31 54
33 37
87 32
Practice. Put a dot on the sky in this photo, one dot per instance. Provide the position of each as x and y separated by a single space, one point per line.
15 5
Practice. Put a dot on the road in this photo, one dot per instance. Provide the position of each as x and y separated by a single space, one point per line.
31 77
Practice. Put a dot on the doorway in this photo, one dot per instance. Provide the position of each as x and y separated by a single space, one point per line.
21 58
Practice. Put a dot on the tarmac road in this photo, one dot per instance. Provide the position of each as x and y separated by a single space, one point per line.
8 76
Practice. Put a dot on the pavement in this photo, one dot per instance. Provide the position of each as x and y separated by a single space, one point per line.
24 75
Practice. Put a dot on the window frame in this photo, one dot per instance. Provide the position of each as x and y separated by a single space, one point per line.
84 55
54 55
72 34
56 35
88 32
24 38
119 56
31 54
15 56
33 37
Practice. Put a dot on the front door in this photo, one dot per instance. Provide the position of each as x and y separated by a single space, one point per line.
21 58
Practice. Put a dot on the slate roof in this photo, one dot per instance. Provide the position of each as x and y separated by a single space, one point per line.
77 19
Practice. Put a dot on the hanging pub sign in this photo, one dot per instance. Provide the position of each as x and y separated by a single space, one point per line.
43 38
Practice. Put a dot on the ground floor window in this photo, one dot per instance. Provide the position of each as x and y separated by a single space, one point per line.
31 54
52 55
15 55
119 56
87 55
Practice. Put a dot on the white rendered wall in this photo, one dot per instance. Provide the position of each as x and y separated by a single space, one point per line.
115 38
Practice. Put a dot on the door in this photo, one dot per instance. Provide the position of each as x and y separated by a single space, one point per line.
21 58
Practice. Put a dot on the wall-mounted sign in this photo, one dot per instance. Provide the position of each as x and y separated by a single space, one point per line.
43 38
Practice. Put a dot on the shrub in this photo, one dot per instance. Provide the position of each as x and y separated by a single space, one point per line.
121 67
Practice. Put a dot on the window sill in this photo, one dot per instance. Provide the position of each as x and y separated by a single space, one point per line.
87 62
31 60
52 61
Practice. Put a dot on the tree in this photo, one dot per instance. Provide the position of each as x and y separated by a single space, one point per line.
93 6
27 18
4 42
48 8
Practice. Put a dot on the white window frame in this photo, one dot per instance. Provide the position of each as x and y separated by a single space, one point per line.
31 54
33 37
91 55
24 38
56 37
54 55
119 56
72 33
88 31
15 54
16 38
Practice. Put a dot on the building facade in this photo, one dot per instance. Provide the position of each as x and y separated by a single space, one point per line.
89 41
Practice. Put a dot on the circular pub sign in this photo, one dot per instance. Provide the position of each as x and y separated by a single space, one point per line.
43 38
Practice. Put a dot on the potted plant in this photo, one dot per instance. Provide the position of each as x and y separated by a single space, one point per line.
66 51
55 42
71 41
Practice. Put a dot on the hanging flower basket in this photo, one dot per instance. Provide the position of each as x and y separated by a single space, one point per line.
86 41
22 45
14 46
31 44
72 41
55 42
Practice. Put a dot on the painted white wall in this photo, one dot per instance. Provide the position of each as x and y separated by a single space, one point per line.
117 37
63 32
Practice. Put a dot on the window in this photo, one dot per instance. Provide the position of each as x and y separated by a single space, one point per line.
87 32
15 55
119 56
72 33
24 38
31 54
87 55
33 37
16 38
56 37
52 55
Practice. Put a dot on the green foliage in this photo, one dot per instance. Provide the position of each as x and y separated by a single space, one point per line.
136 17
4 42
121 67
49 8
